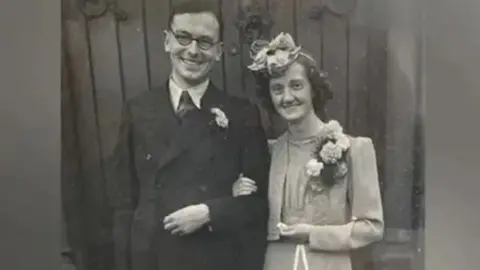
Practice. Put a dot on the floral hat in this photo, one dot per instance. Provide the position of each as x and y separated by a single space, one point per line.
274 56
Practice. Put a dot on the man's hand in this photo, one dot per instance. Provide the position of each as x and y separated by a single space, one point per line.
243 186
187 220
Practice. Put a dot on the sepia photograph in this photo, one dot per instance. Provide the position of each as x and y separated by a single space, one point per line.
242 134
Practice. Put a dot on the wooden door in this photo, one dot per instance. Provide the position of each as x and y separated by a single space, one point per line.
114 51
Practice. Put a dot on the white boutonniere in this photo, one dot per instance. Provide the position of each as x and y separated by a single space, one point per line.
220 118
329 157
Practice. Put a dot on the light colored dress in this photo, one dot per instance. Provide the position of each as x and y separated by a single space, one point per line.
346 216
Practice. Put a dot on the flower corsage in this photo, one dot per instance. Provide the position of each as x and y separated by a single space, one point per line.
220 118
219 122
328 161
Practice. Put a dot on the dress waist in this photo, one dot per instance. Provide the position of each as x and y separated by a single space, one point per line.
291 240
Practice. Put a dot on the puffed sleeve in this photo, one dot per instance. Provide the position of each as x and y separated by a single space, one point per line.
366 225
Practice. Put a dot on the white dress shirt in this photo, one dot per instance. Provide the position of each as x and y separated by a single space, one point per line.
195 92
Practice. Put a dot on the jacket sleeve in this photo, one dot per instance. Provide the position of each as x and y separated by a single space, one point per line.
233 213
121 189
366 225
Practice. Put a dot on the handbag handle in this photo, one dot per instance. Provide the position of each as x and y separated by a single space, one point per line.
300 252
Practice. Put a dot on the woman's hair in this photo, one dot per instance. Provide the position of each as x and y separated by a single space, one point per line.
321 88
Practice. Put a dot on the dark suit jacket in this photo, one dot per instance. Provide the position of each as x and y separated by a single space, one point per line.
177 163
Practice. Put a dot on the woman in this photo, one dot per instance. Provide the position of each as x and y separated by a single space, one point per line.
324 192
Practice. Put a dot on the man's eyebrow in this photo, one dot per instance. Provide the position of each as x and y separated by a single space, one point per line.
180 31
188 33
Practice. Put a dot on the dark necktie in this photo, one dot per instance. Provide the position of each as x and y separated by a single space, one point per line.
185 104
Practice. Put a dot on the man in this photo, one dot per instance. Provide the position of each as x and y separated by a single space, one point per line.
190 143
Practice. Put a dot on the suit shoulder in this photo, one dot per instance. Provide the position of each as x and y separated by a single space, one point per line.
144 96
242 107
146 99
138 103
238 102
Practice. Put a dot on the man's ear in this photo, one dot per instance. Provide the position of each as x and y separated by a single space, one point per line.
219 52
166 41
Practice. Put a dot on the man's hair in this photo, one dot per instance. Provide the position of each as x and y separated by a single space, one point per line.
196 6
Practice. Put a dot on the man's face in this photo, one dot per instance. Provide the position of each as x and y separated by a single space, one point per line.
192 60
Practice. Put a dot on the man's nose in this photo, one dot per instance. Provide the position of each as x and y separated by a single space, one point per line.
193 49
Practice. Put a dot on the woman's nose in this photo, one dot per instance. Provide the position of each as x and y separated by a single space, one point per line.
287 95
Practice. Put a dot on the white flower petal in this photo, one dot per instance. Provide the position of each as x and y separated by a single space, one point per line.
220 117
314 168
342 141
330 153
334 126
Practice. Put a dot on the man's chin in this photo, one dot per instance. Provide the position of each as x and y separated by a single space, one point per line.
195 78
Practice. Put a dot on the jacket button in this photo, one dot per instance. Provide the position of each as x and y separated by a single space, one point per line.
203 188
138 214
148 156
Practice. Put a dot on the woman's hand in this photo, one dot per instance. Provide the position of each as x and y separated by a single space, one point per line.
243 186
299 230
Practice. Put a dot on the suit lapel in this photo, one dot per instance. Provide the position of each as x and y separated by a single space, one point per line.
158 121
194 127
212 98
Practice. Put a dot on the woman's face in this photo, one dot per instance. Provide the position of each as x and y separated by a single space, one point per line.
291 94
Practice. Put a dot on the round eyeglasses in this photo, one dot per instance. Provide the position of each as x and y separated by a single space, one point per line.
185 39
